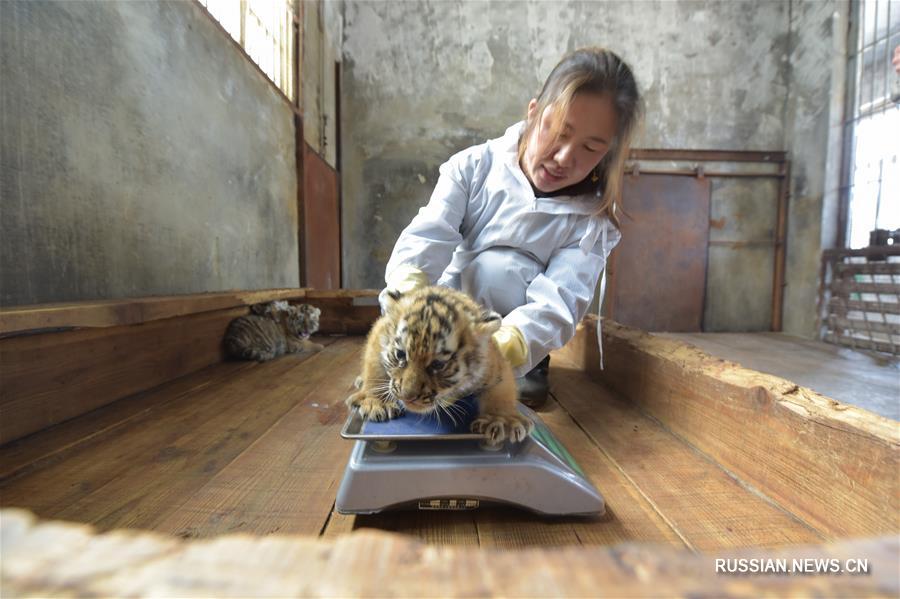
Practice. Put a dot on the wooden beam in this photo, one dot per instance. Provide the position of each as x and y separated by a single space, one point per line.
849 269
841 306
716 514
860 343
81 356
112 313
51 377
40 558
345 311
876 252
832 465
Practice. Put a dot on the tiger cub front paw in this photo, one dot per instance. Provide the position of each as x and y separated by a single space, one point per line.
499 427
371 408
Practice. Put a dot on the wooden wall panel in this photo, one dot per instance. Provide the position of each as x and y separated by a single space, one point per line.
809 453
129 346
51 377
109 313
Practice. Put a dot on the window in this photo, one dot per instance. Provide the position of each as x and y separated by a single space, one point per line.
871 184
265 29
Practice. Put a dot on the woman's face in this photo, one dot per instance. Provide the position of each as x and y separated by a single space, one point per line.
587 132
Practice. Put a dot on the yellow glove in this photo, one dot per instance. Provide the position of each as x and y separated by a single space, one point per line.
511 342
405 278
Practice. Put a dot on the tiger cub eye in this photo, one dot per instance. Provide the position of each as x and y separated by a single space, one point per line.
436 365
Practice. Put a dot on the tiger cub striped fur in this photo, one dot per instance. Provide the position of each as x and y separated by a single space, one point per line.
272 330
431 348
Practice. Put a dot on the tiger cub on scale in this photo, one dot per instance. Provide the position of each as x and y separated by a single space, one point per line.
272 330
431 348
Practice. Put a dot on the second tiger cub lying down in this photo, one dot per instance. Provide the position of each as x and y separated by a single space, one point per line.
431 348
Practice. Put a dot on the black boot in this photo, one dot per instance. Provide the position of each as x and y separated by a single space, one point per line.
533 387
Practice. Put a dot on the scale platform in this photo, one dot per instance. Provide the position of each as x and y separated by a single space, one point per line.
430 463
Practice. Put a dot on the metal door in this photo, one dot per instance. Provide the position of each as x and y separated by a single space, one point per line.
657 273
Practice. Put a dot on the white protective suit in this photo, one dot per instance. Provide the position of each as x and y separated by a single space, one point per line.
536 261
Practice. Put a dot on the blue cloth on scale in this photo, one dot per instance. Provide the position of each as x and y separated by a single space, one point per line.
465 410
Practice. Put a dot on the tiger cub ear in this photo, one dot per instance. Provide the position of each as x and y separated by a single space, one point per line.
490 322
259 309
388 299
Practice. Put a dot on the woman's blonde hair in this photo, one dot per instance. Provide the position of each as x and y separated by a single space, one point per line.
599 71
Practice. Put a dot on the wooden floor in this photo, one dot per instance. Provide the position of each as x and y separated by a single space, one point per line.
255 448
861 378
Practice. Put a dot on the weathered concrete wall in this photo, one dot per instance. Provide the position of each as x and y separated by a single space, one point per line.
813 114
322 34
141 154
424 80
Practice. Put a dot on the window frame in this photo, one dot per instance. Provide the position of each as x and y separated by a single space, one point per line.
292 47
854 112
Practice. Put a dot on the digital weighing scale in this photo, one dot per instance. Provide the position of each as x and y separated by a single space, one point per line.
430 463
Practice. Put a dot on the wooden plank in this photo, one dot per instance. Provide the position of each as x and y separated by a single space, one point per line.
841 306
832 465
355 294
286 480
344 313
864 326
56 485
872 252
114 313
146 468
845 287
49 559
629 515
338 524
710 509
858 343
823 367
54 444
849 269
51 377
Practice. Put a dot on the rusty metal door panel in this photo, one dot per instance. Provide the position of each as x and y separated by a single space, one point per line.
321 240
657 274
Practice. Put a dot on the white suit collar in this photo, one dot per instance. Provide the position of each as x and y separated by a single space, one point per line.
508 145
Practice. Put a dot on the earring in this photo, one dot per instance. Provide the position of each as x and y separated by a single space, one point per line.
595 176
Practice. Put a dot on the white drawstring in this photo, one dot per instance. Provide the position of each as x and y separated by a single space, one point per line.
602 295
